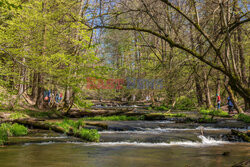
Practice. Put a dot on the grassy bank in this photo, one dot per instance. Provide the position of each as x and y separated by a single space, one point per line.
219 113
7 130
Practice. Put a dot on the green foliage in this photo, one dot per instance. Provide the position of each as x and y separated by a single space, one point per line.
67 124
89 134
243 117
149 108
17 115
18 130
161 108
83 103
185 103
7 129
206 119
114 118
3 136
9 5
176 115
219 113
77 128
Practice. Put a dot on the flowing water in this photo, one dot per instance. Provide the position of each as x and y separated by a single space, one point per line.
132 143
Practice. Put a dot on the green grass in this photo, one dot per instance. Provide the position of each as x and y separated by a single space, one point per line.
7 129
176 115
243 117
206 119
77 127
159 108
185 103
3 136
18 115
66 124
219 113
31 113
89 134
114 118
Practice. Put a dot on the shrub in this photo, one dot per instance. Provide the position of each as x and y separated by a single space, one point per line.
17 115
149 108
243 117
185 103
83 103
18 130
66 124
89 134
161 108
220 113
76 126
176 115
3 136
7 129
206 119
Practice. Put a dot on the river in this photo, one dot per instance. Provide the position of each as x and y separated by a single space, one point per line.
132 143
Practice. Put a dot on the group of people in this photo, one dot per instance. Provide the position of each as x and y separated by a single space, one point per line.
51 97
229 103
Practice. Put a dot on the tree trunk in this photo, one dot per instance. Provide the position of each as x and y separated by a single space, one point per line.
39 100
230 92
207 92
217 88
198 91
22 80
34 91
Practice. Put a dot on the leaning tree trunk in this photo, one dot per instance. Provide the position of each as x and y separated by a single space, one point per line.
230 92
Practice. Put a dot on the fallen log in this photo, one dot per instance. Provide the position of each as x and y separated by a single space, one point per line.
242 135
92 113
48 126
237 136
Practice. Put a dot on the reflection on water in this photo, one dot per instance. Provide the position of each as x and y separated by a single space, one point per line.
70 154
134 143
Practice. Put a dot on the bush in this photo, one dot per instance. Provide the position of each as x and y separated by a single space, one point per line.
206 119
17 115
90 134
77 127
149 108
83 103
220 113
3 136
176 115
243 117
18 130
66 124
185 103
161 108
7 129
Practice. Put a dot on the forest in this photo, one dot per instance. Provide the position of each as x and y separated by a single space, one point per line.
109 71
